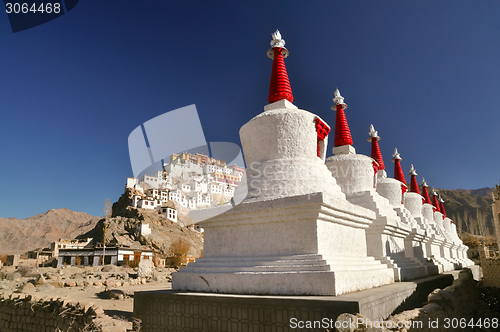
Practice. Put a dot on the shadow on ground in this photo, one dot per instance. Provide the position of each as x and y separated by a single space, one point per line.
120 314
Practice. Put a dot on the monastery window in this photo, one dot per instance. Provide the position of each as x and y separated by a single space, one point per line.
126 257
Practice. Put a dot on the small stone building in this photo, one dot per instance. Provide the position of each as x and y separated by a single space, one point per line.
143 229
41 255
168 210
496 211
490 261
12 260
93 256
69 244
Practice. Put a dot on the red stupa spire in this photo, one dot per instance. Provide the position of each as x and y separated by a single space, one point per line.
376 154
413 181
441 206
425 193
435 202
279 88
342 132
398 171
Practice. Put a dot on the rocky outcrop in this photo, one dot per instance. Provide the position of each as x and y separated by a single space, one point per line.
146 269
123 208
122 230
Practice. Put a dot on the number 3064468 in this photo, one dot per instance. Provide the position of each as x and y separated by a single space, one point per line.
25 8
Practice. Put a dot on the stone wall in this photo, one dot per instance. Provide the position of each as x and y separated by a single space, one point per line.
496 211
16 260
490 263
170 311
445 310
452 305
20 313
461 300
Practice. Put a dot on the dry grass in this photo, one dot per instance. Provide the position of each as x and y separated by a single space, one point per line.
179 250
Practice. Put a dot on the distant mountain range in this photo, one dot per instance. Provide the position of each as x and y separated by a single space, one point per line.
469 209
21 235
482 192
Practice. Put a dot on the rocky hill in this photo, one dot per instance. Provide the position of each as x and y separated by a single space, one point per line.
121 228
21 235
164 233
470 209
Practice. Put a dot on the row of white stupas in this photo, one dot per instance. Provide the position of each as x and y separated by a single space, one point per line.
315 226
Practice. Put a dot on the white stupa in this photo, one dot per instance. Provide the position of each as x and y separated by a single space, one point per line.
295 233
310 226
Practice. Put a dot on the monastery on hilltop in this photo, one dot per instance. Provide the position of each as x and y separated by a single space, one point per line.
188 179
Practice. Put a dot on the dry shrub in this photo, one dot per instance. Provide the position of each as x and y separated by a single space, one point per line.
137 324
78 260
156 260
133 264
179 251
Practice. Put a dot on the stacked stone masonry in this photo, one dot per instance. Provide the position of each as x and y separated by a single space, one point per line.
491 267
199 313
446 309
461 300
21 313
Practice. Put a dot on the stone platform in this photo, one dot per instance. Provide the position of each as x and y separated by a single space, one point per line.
184 311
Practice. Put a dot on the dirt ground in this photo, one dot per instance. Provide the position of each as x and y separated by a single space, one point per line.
122 308
112 289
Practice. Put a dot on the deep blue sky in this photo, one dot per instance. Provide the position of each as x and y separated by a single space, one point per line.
425 73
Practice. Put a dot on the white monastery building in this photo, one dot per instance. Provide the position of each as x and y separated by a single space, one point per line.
189 180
